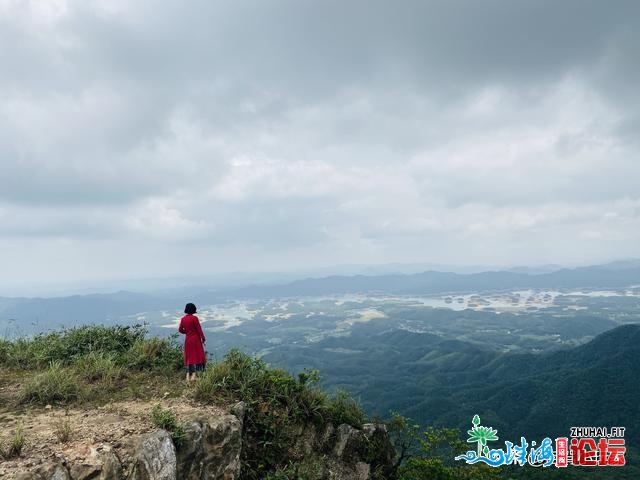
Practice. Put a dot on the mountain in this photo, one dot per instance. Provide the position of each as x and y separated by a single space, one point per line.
29 315
443 282
439 381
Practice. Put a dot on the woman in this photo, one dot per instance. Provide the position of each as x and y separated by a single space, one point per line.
194 357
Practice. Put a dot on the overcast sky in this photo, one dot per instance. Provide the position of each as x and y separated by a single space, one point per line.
142 138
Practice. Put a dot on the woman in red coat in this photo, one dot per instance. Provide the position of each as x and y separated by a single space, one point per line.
194 357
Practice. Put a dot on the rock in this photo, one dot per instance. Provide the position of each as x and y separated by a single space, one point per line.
190 456
239 410
222 447
85 471
212 449
103 465
111 466
326 435
363 471
347 438
46 471
155 457
380 451
24 476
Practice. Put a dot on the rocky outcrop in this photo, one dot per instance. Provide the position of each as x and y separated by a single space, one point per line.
156 458
99 465
344 452
212 450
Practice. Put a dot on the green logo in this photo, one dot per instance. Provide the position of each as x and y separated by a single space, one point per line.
481 435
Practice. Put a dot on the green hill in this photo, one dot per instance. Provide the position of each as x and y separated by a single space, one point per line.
438 381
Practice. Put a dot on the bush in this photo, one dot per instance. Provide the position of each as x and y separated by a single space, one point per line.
5 349
55 385
343 408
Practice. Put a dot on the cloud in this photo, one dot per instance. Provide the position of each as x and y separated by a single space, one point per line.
289 132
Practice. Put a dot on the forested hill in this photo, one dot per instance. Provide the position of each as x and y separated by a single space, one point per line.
445 382
444 282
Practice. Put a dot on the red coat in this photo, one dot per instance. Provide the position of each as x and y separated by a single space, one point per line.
194 340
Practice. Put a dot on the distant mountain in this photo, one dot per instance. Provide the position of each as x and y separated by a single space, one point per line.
433 282
439 381
621 265
30 315
535 270
55 312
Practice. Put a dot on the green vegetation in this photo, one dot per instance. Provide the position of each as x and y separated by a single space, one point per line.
444 382
242 377
430 453
277 406
14 448
90 363
163 418
529 395
62 430
99 367
57 384
95 363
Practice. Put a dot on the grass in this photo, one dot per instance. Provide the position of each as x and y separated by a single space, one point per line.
163 418
67 346
14 448
91 363
99 367
57 384
278 404
62 430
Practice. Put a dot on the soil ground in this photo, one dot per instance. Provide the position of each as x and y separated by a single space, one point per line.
90 427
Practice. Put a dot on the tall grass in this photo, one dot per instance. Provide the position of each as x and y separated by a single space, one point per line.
68 346
57 384
88 362
15 445
99 367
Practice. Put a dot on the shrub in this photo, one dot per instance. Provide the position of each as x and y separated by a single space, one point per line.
163 418
343 408
55 385
309 467
96 349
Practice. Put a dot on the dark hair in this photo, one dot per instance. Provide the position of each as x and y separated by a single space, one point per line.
190 309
